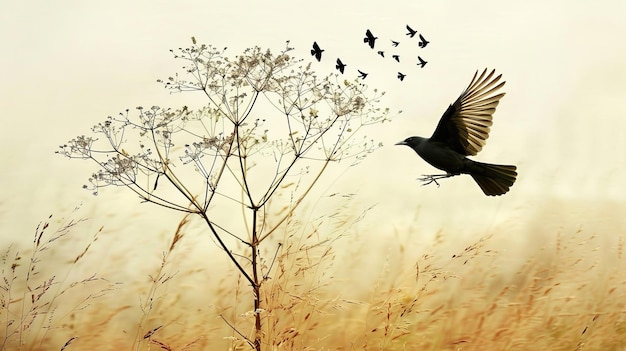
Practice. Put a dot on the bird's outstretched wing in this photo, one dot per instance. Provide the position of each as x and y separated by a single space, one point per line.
465 125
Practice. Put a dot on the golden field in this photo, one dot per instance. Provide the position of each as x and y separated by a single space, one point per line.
333 286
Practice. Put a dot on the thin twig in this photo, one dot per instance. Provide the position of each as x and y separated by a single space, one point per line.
236 331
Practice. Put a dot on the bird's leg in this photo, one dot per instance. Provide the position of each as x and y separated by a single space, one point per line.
427 179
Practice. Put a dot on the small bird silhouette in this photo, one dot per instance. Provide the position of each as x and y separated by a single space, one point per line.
395 43
462 131
317 52
340 66
369 38
411 32
401 76
422 62
396 57
362 74
287 48
381 53
423 42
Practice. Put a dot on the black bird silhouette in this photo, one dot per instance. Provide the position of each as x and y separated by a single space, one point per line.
411 32
396 57
422 62
317 52
395 43
362 74
381 53
287 48
462 131
369 38
340 66
401 76
423 42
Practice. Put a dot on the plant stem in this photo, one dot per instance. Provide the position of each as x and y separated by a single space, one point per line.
256 286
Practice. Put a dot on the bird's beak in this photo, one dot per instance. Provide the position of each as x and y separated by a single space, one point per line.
401 143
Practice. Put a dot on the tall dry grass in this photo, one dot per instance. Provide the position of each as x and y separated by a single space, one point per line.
330 287
39 301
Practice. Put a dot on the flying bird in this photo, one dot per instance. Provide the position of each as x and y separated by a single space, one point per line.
287 48
362 74
395 43
423 42
411 32
422 62
462 131
369 38
396 57
316 51
401 76
340 66
381 53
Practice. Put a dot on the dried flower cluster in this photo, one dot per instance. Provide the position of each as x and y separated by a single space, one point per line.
299 116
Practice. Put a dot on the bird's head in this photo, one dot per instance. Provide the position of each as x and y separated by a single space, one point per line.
412 142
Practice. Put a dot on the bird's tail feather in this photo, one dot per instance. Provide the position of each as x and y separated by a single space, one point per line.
493 179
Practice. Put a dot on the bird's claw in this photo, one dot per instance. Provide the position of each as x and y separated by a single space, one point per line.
427 179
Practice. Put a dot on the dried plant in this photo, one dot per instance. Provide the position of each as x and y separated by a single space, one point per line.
35 302
267 120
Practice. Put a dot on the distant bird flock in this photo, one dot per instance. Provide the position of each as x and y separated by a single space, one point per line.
370 40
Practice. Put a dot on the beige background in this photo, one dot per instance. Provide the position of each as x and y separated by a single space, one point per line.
66 65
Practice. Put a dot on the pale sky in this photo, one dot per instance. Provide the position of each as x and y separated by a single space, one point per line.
66 65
